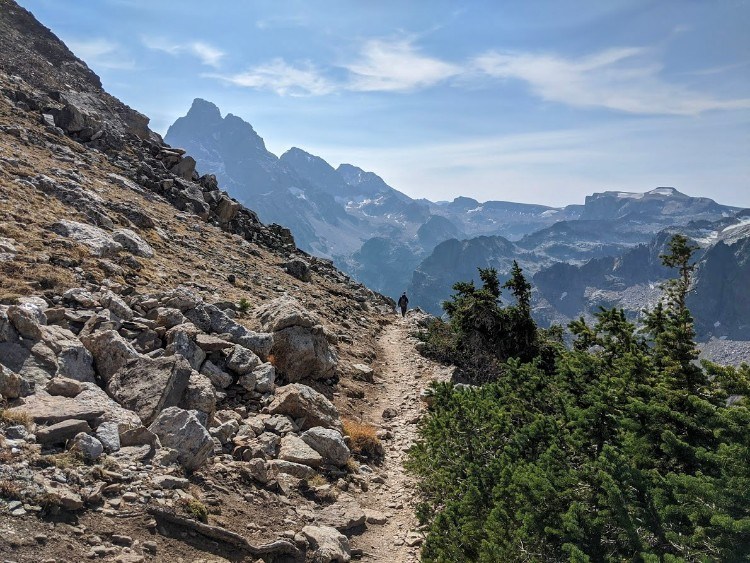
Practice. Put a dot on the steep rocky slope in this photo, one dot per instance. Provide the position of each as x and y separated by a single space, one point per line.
174 374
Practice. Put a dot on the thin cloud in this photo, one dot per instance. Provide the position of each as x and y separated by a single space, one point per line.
620 79
282 78
205 53
101 53
396 66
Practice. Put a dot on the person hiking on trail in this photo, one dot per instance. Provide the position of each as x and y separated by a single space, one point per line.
403 302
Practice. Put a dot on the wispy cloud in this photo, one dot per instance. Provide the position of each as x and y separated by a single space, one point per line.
622 79
101 53
396 66
280 77
207 54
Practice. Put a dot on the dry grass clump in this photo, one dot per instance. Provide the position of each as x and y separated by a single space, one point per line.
363 440
196 509
12 418
10 490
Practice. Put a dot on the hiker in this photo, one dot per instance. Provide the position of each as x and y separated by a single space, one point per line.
403 302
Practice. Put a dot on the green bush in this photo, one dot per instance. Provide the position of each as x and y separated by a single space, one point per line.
619 449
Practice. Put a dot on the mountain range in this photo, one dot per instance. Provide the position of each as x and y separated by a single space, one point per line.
603 252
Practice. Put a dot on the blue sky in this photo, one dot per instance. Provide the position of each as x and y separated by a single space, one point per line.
536 101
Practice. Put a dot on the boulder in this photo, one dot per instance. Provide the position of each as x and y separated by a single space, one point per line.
199 395
27 320
60 432
225 431
209 343
327 544
226 209
295 450
91 404
168 317
147 386
242 360
64 387
284 312
298 470
116 305
108 433
302 352
299 269
180 430
88 446
302 402
265 378
258 470
329 444
181 344
133 243
218 376
185 168
12 385
74 361
345 515
210 318
181 298
99 242
110 351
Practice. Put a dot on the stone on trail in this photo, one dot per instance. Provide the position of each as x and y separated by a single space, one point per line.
295 450
327 544
329 444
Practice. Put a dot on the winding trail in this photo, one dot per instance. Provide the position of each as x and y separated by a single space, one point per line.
400 374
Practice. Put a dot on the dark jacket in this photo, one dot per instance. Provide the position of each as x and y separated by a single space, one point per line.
403 301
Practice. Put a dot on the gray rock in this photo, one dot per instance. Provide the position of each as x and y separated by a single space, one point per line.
100 243
302 402
27 320
12 385
284 312
80 296
218 376
265 378
133 243
181 344
108 433
225 431
146 386
242 360
170 482
115 304
60 432
327 544
90 448
199 395
137 436
344 515
64 387
210 318
180 430
258 469
110 351
169 317
299 269
298 470
329 444
181 298
185 168
280 424
295 450
16 432
209 343
302 352
74 361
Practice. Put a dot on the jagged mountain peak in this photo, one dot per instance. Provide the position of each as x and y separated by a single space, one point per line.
204 109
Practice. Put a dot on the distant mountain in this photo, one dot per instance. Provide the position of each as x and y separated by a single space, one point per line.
392 242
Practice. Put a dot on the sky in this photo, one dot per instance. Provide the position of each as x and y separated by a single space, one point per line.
540 101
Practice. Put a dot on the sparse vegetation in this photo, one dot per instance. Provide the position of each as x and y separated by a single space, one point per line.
243 306
10 490
363 439
11 418
196 509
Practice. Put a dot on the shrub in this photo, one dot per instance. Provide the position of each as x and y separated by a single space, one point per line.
10 490
243 305
196 509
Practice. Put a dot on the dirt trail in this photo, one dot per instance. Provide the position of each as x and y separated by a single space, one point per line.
401 373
